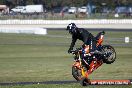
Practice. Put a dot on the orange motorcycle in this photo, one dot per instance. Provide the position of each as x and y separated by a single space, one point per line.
81 69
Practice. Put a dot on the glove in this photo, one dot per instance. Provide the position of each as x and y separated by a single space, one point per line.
69 51
103 32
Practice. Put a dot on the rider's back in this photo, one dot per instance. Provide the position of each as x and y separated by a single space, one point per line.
83 35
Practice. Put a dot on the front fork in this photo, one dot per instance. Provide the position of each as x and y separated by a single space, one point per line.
93 66
84 72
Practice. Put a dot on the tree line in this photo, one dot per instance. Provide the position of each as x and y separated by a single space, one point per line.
49 4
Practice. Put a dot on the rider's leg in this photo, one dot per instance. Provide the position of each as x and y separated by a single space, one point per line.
86 56
87 49
95 50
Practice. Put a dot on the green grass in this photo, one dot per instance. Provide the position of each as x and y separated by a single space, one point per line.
33 58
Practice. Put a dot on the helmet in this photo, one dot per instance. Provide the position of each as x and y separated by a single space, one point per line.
72 28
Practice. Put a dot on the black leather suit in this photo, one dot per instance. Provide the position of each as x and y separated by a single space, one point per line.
84 36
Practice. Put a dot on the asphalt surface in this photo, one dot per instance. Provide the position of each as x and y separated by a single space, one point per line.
30 83
94 82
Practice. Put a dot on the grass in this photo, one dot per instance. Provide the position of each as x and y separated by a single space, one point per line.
33 58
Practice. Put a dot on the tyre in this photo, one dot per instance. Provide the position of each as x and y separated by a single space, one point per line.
110 54
76 73
84 81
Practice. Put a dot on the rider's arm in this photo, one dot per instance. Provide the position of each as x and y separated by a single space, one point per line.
74 39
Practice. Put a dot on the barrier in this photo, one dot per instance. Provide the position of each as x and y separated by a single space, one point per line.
90 21
26 30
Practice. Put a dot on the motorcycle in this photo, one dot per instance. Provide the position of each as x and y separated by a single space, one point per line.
81 69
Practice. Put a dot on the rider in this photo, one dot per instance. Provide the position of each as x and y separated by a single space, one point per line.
83 35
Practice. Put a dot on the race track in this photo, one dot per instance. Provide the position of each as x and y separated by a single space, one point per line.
93 82
45 82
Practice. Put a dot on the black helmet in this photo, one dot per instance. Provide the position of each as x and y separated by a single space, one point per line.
72 28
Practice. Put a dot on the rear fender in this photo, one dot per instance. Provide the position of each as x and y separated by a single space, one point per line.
100 40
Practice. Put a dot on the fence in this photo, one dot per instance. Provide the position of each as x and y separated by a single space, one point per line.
91 23
59 22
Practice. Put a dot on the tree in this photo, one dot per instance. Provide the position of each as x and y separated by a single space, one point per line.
2 2
50 4
9 3
37 1
29 2
21 2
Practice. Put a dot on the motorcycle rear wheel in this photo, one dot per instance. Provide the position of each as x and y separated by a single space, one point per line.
110 54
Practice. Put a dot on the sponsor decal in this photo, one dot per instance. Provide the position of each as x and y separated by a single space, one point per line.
110 82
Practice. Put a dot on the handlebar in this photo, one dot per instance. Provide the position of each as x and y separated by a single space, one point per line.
76 50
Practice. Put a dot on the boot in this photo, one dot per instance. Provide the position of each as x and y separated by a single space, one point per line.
97 52
101 54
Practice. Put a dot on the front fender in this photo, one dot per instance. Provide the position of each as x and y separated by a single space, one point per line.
77 64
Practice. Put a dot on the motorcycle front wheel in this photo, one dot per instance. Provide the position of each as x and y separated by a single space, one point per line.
84 81
76 73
